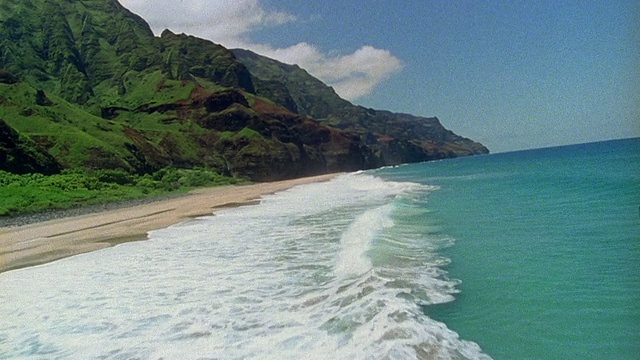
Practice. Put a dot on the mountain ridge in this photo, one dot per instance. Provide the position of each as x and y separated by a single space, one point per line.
384 130
86 84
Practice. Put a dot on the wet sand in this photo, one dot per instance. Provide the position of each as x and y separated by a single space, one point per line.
47 241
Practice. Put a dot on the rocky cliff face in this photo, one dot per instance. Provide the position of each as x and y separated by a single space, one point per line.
20 155
86 84
393 138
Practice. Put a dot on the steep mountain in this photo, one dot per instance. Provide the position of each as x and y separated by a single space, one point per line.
395 138
85 83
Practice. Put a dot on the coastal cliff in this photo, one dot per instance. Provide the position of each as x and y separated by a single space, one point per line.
86 84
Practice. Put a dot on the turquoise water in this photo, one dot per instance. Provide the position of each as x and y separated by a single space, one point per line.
334 270
527 255
547 248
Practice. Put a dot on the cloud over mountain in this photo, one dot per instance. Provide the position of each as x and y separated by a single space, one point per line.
231 23
352 75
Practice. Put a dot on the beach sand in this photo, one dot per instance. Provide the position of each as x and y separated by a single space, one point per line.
47 241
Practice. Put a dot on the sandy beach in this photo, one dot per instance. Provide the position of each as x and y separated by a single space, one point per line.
47 241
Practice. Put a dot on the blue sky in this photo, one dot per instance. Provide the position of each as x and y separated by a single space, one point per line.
510 74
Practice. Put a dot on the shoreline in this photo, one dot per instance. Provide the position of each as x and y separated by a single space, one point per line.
42 242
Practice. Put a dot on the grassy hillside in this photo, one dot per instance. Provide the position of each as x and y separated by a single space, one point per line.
89 84
85 86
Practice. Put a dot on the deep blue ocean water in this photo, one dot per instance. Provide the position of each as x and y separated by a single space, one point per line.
524 255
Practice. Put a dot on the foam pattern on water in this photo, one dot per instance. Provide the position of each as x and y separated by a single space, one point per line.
327 270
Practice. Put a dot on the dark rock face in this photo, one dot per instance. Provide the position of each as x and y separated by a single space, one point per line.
41 98
262 142
223 100
7 78
20 155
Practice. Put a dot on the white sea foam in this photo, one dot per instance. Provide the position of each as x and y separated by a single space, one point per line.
355 241
327 270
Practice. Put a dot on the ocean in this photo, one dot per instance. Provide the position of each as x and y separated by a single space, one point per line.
524 255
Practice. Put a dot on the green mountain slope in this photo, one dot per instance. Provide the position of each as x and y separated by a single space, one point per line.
86 84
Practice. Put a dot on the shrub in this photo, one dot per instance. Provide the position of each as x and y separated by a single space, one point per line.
36 192
116 176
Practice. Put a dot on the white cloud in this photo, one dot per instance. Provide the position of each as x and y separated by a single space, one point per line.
352 76
222 21
231 22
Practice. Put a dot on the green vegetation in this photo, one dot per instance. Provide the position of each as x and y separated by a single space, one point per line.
87 89
309 95
30 193
88 83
